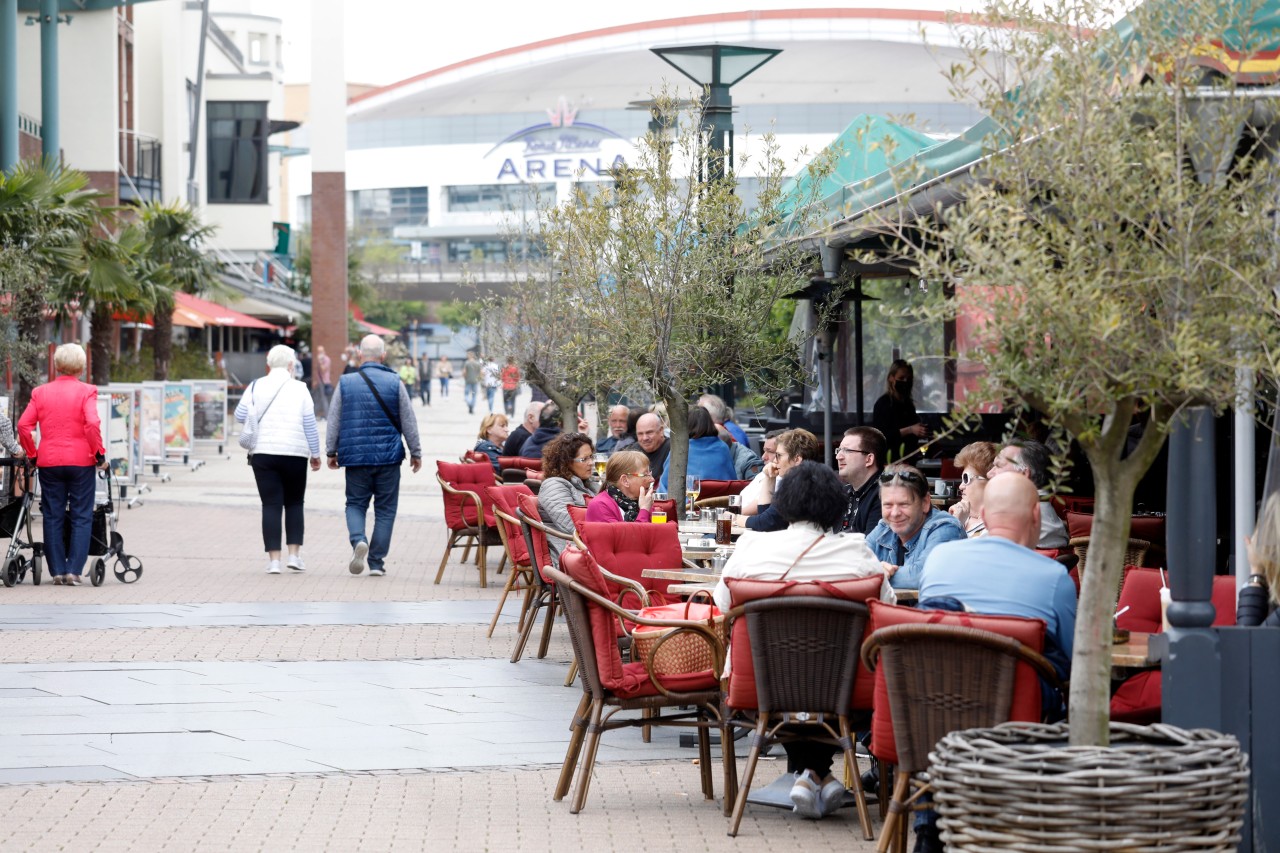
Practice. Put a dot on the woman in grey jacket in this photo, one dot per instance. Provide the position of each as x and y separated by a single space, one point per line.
567 462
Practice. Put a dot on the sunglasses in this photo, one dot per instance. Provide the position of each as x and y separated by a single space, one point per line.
965 479
905 476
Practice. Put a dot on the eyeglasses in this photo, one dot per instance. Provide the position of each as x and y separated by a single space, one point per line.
583 459
905 476
843 450
643 475
965 479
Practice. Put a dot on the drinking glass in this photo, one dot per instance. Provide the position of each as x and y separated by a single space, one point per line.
692 486
658 516
601 461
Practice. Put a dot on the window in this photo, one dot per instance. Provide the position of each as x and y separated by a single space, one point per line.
475 198
382 210
279 52
237 152
258 48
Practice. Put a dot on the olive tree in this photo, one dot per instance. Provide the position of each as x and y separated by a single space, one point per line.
1120 242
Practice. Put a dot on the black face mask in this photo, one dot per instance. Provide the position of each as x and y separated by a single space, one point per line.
903 387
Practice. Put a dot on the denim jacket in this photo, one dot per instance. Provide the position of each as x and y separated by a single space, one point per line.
938 527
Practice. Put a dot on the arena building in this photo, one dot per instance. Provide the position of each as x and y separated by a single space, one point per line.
445 162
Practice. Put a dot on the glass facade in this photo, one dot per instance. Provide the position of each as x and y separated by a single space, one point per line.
490 198
380 211
237 152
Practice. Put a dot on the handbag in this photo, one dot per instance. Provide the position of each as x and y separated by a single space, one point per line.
684 653
249 434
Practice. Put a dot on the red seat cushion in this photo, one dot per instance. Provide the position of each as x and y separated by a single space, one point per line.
505 498
505 462
628 680
578 515
1138 699
720 488
1026 684
459 511
742 675
629 549
475 456
1141 594
1224 600
528 504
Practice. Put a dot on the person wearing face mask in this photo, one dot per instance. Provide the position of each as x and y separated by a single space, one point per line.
895 413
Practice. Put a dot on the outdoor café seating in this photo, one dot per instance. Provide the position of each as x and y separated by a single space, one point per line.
515 469
716 493
804 670
505 510
610 685
627 550
466 513
544 593
937 672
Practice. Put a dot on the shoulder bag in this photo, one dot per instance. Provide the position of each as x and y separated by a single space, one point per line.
249 434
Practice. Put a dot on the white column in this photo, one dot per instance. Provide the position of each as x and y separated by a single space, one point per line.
328 88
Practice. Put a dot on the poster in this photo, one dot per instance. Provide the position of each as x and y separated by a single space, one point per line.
119 437
151 422
209 415
6 473
177 417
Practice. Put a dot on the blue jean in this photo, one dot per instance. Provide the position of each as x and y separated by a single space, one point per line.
469 394
489 392
381 484
444 385
66 498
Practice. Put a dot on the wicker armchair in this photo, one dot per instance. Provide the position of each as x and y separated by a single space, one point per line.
805 667
505 510
469 519
941 678
610 685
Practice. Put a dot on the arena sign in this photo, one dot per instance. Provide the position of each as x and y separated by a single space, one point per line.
561 147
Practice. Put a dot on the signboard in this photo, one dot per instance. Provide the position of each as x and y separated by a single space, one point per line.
209 410
118 433
151 422
563 146
100 485
177 417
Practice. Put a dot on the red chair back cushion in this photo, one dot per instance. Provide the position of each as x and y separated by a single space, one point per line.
669 507
505 498
578 515
742 675
528 504
627 680
1224 600
721 488
629 549
459 511
475 456
1026 684
505 462
1141 594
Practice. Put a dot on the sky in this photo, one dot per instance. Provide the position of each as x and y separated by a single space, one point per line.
390 40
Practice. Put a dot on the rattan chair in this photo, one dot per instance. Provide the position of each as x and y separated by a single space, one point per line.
544 595
805 667
505 510
1135 552
610 685
940 679
467 514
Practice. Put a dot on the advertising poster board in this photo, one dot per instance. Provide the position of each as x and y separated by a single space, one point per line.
151 422
119 438
6 473
107 425
209 410
177 418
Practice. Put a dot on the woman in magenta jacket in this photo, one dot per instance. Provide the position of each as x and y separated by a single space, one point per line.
628 492
66 410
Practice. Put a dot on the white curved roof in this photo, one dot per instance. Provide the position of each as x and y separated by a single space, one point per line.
828 56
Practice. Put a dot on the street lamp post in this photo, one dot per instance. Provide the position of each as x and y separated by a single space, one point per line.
716 67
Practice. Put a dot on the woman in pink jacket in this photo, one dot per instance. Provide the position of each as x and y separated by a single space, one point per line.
628 493
66 410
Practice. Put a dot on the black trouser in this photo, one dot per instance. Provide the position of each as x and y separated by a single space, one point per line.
282 484
810 755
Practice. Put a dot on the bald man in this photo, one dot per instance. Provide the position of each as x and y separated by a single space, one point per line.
653 440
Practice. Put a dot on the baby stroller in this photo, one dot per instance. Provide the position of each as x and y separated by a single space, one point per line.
105 542
15 524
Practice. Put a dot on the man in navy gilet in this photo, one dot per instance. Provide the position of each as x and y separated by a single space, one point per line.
369 414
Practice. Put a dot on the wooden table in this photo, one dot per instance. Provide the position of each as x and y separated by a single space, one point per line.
1135 654
905 595
682 575
689 588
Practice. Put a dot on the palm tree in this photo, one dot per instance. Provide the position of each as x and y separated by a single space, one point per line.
176 240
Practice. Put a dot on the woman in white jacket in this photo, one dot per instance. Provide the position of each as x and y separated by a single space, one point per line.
287 438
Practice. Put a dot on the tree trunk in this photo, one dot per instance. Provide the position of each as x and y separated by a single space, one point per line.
1090 701
678 456
568 406
100 329
162 340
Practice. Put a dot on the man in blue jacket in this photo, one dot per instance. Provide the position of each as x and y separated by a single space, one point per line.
369 416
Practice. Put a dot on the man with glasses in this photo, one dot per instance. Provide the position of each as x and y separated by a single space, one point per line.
1031 459
860 459
910 526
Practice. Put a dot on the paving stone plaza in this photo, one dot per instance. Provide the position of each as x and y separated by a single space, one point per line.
211 706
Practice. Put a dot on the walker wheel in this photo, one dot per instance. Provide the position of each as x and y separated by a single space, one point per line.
36 569
99 571
128 569
11 572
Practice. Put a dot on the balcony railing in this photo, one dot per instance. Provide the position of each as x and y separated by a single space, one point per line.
140 176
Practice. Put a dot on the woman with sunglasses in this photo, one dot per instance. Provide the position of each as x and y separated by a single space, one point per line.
910 527
976 459
567 463
628 490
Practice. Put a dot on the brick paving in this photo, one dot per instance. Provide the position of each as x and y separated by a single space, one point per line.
198 536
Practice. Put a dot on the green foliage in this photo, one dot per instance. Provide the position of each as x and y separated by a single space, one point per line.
1119 240
394 313
189 362
457 314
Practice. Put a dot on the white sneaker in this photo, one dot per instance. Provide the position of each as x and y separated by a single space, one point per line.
359 558
805 795
377 573
273 568
294 562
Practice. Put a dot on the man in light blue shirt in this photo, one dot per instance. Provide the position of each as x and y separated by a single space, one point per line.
910 528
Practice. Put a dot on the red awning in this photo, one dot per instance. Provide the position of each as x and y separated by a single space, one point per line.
181 317
372 328
213 314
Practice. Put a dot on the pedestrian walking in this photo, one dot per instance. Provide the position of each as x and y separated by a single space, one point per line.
510 386
424 379
492 377
444 371
370 420
66 411
471 371
287 441
409 376
323 380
